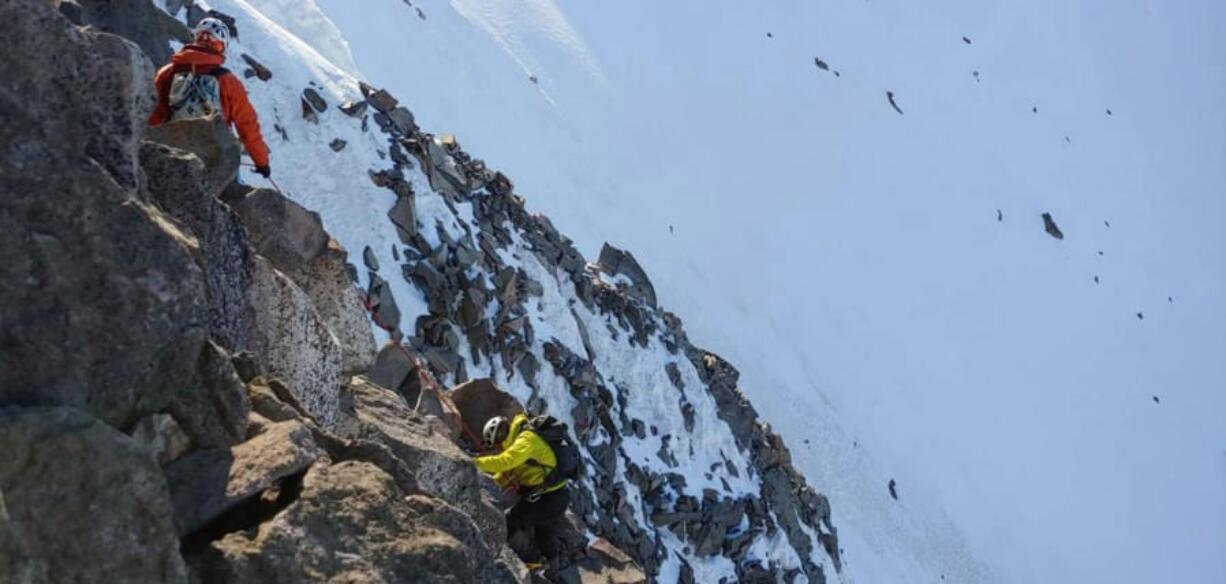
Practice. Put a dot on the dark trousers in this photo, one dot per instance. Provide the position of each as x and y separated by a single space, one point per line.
541 519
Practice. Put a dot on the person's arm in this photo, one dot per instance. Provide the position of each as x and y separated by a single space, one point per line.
518 453
240 113
161 82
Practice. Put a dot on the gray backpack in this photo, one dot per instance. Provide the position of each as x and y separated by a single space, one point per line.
195 95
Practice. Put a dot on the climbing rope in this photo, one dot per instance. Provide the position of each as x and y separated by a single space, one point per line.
425 380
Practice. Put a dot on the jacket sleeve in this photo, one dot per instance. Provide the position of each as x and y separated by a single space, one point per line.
520 451
239 112
161 109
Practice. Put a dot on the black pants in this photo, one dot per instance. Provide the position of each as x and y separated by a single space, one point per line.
541 520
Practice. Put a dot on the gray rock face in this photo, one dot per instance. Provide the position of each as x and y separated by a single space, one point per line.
206 483
101 310
162 437
480 399
91 505
212 410
351 523
280 229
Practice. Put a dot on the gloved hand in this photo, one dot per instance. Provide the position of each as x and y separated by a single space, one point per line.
263 171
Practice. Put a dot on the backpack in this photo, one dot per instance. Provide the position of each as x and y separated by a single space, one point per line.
195 95
555 433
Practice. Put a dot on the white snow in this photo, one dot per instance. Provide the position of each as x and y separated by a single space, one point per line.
846 259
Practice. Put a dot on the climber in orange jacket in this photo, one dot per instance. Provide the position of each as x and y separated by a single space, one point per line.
195 84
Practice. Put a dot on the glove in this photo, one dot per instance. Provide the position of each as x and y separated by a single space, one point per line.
263 171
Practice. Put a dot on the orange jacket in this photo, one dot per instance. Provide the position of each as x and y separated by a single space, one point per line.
234 103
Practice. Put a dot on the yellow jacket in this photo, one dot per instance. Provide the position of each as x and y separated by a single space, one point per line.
525 459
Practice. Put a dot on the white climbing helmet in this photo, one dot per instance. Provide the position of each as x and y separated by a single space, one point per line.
215 29
495 431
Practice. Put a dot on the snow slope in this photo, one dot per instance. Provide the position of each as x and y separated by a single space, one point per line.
850 259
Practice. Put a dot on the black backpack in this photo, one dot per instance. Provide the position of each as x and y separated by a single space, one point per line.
555 433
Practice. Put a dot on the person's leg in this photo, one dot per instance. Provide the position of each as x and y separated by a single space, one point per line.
550 511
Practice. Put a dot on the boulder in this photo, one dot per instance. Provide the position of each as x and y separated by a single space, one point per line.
351 523
257 68
91 504
316 101
392 367
16 561
280 229
1049 225
339 304
210 140
479 400
137 20
404 216
603 563
212 410
378 414
206 483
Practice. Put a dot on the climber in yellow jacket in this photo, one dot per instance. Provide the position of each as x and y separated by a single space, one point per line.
523 462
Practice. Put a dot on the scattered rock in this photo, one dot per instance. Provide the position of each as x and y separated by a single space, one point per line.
1095 279
893 489
206 483
890 96
370 259
258 68
966 40
337 145
821 64
161 436
1156 400
1140 316
354 109
1109 112
615 262
382 101
1049 225
1000 217
404 216
314 99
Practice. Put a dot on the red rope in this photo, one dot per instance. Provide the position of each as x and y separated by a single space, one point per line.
423 380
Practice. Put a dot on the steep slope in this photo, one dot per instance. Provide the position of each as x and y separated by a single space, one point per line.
681 474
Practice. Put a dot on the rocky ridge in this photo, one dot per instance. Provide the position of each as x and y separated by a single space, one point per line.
207 339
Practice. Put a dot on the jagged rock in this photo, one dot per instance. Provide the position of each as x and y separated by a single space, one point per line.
315 100
392 367
90 504
212 410
280 229
261 72
210 140
894 104
100 300
351 523
616 262
893 489
378 414
354 109
404 216
380 99
308 112
605 564
383 303
370 259
136 20
337 145
402 119
1049 225
206 483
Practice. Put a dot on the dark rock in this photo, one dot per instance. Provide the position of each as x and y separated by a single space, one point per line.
352 523
404 216
1140 316
479 400
212 410
1156 400
136 20
893 489
87 503
966 40
260 70
354 109
403 120
674 375
337 145
1049 225
308 112
999 216
280 229
315 100
161 436
206 483
820 65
